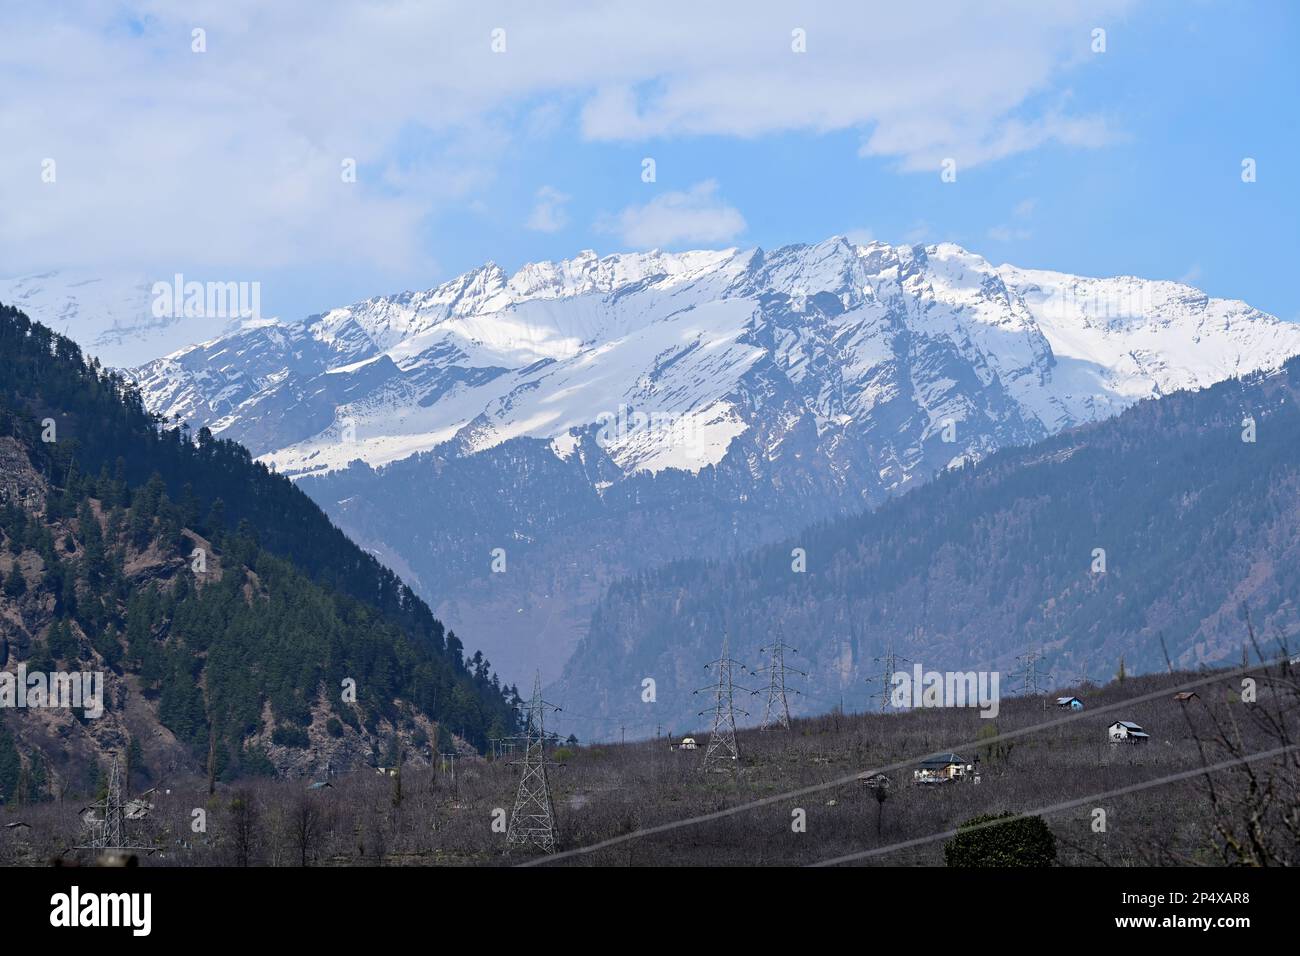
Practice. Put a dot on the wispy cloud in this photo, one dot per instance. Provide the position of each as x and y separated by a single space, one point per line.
673 218
549 213
1018 230
919 232
1009 234
925 141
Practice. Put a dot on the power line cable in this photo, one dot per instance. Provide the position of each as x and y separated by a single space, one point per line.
899 765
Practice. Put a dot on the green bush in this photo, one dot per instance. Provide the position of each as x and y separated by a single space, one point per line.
289 736
1020 841
256 763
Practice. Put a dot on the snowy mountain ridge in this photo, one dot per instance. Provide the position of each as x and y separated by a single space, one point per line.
113 318
602 416
667 358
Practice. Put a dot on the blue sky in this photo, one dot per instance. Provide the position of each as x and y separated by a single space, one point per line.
223 164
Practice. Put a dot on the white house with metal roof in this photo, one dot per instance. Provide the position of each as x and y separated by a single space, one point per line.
1127 732
942 768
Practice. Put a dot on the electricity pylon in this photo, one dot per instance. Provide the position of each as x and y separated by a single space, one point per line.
532 822
1083 678
109 832
1030 675
776 712
722 739
886 678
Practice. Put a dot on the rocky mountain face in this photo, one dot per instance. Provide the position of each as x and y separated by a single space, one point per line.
511 443
43 630
64 744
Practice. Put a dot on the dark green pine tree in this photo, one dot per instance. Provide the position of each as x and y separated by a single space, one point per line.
297 606
10 767
15 584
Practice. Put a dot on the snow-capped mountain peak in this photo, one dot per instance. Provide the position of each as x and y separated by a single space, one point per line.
113 319
897 358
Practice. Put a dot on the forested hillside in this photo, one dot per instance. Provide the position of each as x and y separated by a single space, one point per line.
224 607
1196 521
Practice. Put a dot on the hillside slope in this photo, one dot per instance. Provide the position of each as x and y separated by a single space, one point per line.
223 608
997 558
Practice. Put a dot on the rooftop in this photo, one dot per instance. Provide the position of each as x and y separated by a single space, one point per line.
943 760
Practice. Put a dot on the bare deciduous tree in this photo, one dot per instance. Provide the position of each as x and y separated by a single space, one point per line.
243 826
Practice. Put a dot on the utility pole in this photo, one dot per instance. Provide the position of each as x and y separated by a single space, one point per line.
776 712
532 822
886 678
722 739
449 764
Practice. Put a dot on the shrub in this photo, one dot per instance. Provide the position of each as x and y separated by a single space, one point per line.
289 736
1020 841
256 763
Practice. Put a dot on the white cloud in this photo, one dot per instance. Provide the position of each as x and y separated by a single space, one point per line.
673 218
1024 209
968 83
1008 234
919 232
231 158
922 142
549 214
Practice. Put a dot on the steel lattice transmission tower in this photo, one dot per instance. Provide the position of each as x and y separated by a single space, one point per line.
109 831
1030 675
1083 678
776 711
532 822
722 739
886 678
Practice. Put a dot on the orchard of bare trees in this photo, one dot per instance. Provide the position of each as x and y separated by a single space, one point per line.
1198 792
